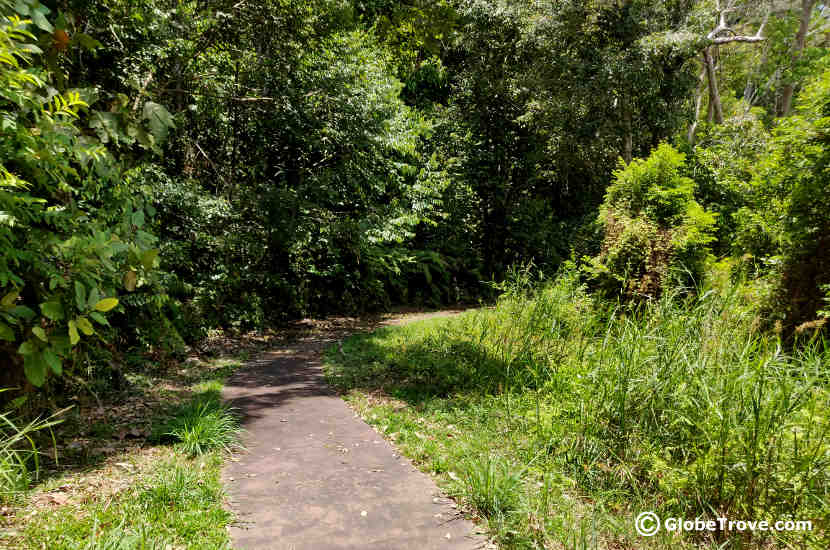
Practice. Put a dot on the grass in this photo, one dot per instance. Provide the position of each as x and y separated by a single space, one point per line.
175 502
201 425
156 486
558 418
19 463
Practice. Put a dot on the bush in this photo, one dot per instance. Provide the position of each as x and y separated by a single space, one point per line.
656 234
71 224
794 187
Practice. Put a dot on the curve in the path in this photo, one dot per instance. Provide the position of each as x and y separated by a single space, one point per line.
316 477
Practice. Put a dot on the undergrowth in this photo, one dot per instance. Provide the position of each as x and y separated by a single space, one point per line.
167 494
683 406
19 463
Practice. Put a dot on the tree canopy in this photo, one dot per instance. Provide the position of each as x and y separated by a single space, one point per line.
173 167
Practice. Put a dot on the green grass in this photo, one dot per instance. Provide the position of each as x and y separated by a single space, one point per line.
178 504
170 498
684 407
201 425
19 463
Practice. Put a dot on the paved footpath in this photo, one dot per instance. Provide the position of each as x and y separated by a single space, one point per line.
316 477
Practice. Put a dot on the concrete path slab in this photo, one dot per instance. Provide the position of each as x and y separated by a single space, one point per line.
316 477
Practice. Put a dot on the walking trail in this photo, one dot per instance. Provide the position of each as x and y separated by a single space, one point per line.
315 476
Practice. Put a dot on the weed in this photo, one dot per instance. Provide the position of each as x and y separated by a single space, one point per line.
18 454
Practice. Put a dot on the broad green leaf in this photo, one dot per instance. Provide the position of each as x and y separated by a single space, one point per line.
39 18
74 337
130 279
35 369
160 120
149 258
9 298
6 332
138 218
94 297
28 347
21 7
52 310
53 361
86 41
85 326
40 333
31 48
80 295
106 304
99 318
105 125
23 312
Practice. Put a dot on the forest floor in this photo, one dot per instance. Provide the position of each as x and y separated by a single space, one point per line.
109 478
317 476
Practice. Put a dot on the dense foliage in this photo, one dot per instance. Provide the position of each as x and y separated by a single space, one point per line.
656 234
174 167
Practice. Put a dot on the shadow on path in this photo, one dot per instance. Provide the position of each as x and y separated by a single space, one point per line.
315 476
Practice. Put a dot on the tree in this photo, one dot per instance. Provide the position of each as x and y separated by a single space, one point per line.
799 42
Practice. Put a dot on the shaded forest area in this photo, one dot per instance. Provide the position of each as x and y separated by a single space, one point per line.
172 168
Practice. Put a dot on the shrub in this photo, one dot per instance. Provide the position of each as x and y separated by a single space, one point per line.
71 224
793 184
655 231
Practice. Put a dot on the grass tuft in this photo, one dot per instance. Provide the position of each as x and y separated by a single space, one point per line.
491 485
201 425
19 455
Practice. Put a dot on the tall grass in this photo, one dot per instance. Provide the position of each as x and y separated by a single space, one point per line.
684 399
682 405
19 463
201 425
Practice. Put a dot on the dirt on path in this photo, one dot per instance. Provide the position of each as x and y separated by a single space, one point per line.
315 476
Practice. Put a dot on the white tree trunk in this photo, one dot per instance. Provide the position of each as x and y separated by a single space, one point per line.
716 109
798 47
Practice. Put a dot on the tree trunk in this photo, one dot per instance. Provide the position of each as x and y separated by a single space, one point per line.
628 138
798 46
698 100
716 109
